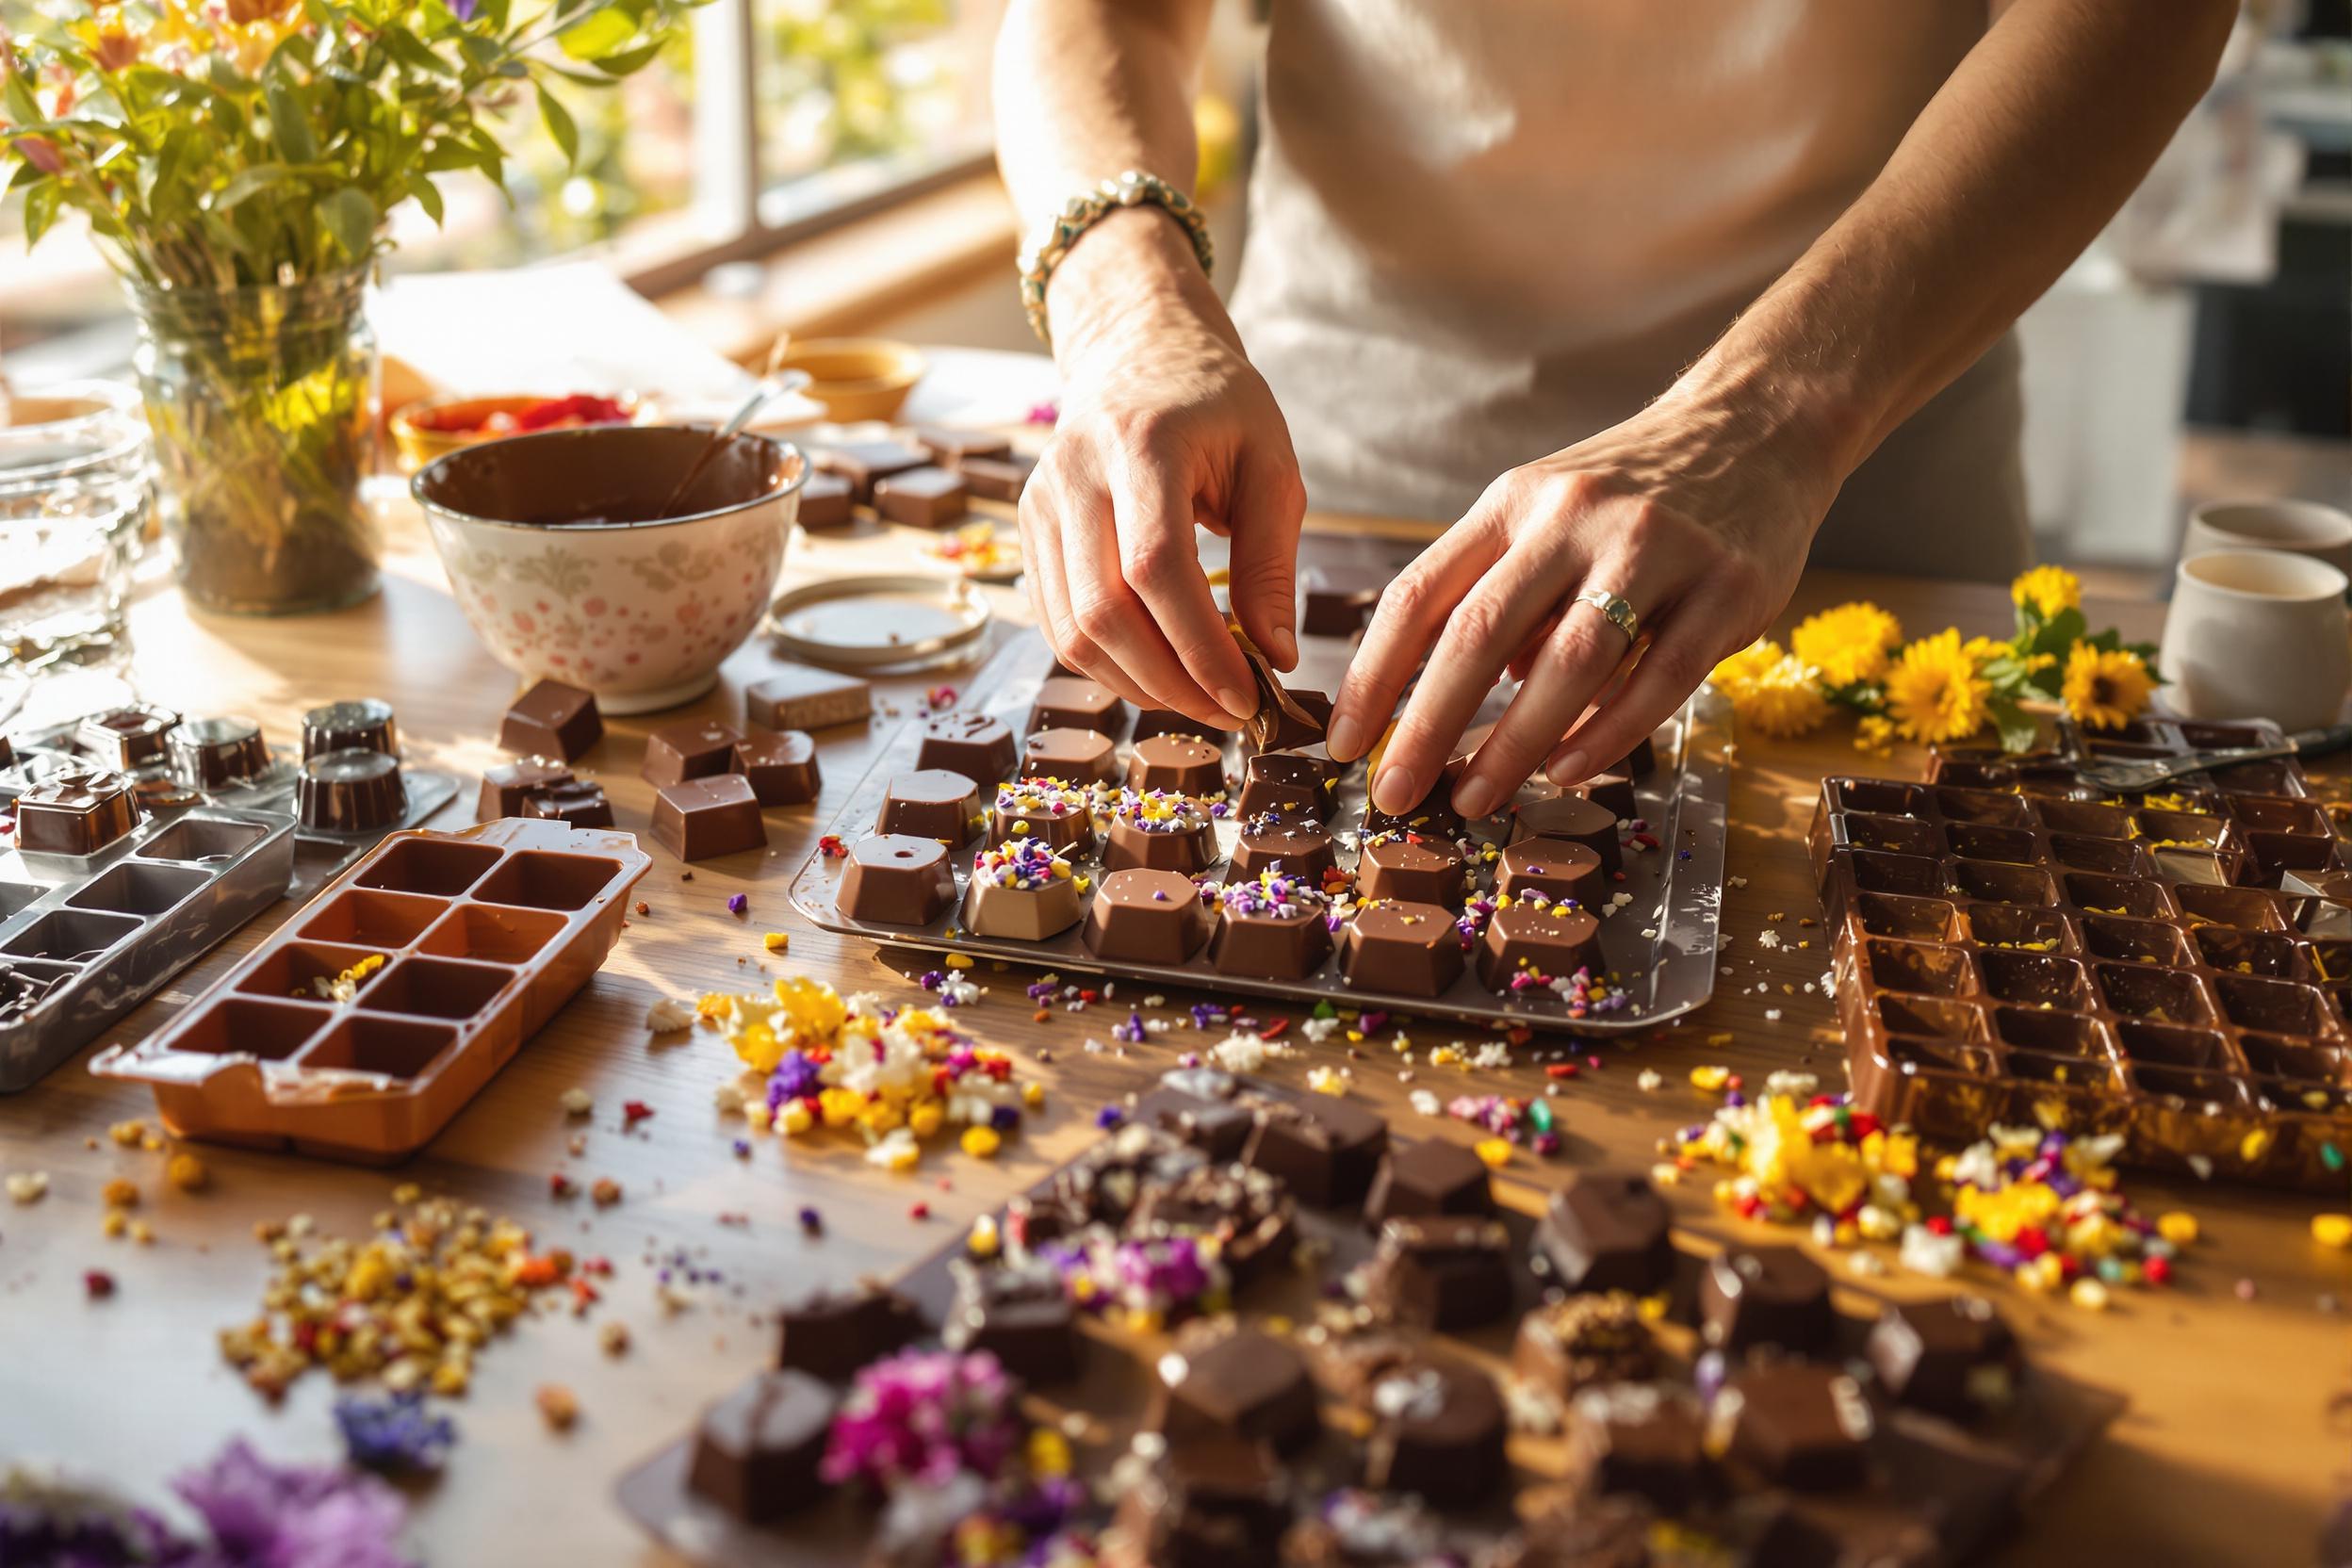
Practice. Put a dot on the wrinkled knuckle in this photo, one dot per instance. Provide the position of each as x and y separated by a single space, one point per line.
1477 623
1150 557
1406 598
1097 616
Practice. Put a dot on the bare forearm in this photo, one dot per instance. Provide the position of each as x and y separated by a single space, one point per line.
2012 168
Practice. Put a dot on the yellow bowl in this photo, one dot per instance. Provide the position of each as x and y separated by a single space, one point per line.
856 378
421 443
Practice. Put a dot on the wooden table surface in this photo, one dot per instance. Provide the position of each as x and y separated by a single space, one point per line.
2228 1453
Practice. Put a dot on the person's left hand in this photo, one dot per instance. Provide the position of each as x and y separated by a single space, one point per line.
1695 512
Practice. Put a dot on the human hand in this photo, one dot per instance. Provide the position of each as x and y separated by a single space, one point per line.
1164 424
1697 512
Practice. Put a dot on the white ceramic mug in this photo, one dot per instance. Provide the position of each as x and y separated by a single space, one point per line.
2298 528
2257 634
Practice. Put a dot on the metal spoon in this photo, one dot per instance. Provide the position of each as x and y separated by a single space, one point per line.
2136 775
769 389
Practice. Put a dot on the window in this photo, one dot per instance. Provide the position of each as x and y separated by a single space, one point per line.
769 119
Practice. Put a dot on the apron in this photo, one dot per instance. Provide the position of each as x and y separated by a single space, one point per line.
1482 230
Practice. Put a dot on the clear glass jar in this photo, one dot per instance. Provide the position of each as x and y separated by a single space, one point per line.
262 402
75 495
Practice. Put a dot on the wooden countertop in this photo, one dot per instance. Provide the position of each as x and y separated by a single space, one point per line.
2226 1455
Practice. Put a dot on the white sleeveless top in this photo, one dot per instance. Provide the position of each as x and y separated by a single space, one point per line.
1481 230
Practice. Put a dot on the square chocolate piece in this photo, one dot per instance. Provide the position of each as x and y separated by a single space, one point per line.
998 479
695 748
923 498
509 788
578 804
861 462
551 720
781 766
826 501
949 448
703 817
799 697
75 813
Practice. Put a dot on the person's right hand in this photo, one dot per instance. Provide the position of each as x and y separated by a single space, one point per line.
1164 424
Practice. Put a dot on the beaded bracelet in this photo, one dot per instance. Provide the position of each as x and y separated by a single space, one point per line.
1132 188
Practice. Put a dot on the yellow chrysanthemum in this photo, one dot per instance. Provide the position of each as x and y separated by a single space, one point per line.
1847 643
1934 692
1743 667
1783 702
2103 690
1873 732
2048 589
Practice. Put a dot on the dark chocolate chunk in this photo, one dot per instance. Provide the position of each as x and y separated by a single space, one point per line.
1057 814
1326 1152
1641 761
781 766
1286 782
1575 818
1019 1313
577 804
862 463
1166 721
829 1333
1072 756
1337 600
798 697
1181 764
1444 1273
351 792
507 787
1295 846
756 1452
1248 1214
1553 867
1643 1438
923 498
1605 1230
1428 1179
1410 949
362 722
931 803
827 500
1801 1425
1955 1356
978 746
125 739
1752 1296
551 720
998 479
1207 1504
1571 1343
1222 1382
896 879
695 748
212 753
1614 791
948 447
1285 941
1104 1184
1437 1428
1199 1105
1146 916
1533 945
75 813
1165 833
1411 868
1067 702
703 817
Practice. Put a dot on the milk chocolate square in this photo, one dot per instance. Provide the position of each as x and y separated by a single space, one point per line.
799 697
551 720
510 787
949 448
703 817
694 748
862 463
826 501
923 498
998 479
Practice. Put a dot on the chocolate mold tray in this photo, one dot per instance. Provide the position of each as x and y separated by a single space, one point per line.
365 1020
2157 968
129 742
1943 1488
84 939
1661 946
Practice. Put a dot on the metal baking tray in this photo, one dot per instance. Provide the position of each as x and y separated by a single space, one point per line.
85 939
1661 946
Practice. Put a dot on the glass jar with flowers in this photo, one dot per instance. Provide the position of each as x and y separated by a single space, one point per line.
235 161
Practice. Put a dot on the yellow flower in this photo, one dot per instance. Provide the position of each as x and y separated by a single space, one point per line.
1934 692
2105 691
1848 642
1783 702
1749 662
1873 732
2048 589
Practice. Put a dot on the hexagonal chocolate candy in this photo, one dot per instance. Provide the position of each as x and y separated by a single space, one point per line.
1643 1438
1326 1152
1752 1296
1802 1424
1018 1312
757 1450
1606 1231
830 1332
1427 1179
1225 1382
1956 1357
1069 702
1442 1272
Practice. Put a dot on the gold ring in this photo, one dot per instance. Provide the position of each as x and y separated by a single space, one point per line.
1620 613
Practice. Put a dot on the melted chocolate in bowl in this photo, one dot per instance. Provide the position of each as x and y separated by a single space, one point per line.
610 476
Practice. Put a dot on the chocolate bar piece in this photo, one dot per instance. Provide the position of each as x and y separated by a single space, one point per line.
781 766
1223 1382
1413 949
1799 1425
1641 761
576 804
507 787
702 817
827 500
923 498
694 748
978 746
1429 1180
756 1452
799 697
1441 1272
1019 1313
351 792
949 448
1606 1231
829 1333
931 803
1752 1296
1338 600
998 479
1067 702
1179 764
1326 1152
551 720
75 813
363 723
896 879
212 753
863 463
1143 916
1956 1357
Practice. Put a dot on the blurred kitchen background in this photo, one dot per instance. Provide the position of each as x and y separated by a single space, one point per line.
824 166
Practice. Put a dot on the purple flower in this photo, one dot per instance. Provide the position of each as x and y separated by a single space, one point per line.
395 1434
795 1078
294 1516
464 9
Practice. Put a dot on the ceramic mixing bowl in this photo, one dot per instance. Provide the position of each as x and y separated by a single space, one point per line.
559 553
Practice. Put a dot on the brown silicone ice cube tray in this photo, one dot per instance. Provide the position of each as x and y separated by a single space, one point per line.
482 935
2010 946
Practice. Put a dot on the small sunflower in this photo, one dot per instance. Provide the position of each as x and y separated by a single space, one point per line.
2105 688
1936 692
1847 643
2046 590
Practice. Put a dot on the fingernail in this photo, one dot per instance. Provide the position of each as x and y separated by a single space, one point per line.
1240 703
1574 767
1474 798
1286 649
1344 739
1397 790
